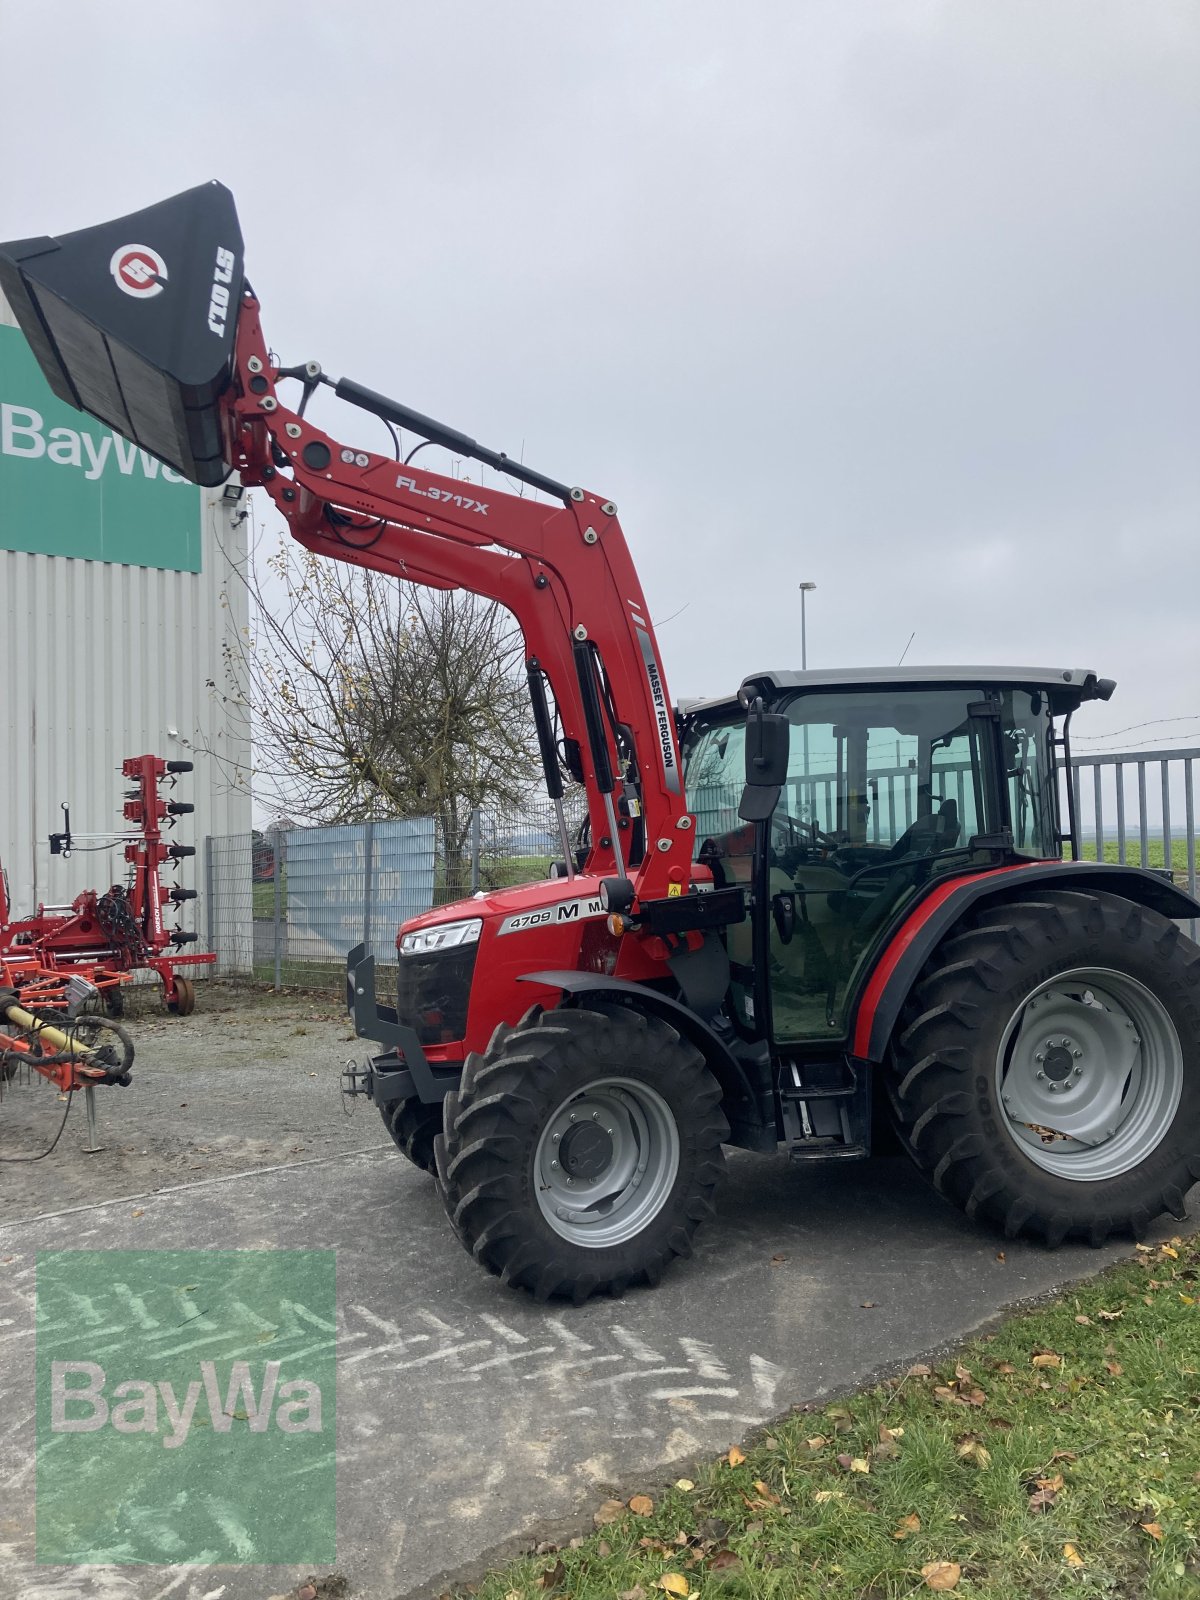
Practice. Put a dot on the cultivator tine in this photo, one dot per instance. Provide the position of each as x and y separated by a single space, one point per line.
134 322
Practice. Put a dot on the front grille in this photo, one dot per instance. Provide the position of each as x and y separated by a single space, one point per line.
432 992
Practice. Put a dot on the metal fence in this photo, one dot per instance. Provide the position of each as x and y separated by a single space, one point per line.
286 905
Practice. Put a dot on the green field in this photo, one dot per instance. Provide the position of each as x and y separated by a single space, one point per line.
1155 854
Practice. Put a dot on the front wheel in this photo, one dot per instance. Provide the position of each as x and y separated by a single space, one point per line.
414 1126
581 1151
1047 1077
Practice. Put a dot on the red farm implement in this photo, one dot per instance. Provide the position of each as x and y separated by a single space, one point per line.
101 936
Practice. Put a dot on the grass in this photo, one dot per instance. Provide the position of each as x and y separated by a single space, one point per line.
1059 1456
1155 853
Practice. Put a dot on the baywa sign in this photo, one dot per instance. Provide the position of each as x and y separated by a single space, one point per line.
69 486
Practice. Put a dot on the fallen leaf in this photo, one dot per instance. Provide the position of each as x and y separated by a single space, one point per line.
1047 1358
1006 1367
1114 1368
722 1560
817 1443
735 1457
886 1450
674 1583
770 1442
1154 1529
920 1370
822 1495
636 1593
975 1397
1168 1251
603 1549
513 1594
1000 1256
778 1260
553 1576
963 1374
138 1213
886 1433
1074 1559
860 1464
641 1505
1053 1484
907 1525
1084 1322
608 1512
1109 1316
974 1449
941 1574
869 1305
767 1493
685 1485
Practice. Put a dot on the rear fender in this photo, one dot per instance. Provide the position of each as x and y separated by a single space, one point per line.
751 1114
913 942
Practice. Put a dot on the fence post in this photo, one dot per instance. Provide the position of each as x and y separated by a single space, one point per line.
368 883
280 854
475 849
209 916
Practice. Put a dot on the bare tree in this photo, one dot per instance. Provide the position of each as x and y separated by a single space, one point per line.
369 697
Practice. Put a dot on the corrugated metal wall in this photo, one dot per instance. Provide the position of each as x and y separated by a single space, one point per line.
98 662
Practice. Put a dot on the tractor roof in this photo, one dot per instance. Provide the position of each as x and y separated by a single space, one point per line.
1065 687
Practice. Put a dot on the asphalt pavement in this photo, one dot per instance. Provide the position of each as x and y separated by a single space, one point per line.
468 1415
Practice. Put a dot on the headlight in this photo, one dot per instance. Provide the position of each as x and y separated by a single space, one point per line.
447 936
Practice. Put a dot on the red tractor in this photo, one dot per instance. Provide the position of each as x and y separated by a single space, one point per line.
823 900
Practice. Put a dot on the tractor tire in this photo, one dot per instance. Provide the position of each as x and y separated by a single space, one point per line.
1046 1075
581 1151
414 1126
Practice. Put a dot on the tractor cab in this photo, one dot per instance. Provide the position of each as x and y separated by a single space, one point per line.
885 785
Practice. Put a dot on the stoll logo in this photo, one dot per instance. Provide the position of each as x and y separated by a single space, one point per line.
185 1406
138 270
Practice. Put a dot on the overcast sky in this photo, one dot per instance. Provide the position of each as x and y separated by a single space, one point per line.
900 298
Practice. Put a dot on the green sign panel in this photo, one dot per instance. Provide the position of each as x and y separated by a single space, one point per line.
185 1407
69 486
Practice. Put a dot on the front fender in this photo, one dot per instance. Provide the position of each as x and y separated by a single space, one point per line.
752 1118
913 942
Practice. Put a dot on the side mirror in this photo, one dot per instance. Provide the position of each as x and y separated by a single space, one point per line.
767 736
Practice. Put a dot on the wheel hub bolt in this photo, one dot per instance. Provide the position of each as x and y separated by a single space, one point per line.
1041 1077
595 1116
1077 1072
554 1166
1040 1056
1077 1054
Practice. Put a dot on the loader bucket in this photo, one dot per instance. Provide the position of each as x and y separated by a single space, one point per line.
134 322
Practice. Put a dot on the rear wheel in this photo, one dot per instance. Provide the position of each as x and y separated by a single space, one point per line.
582 1151
414 1126
1047 1075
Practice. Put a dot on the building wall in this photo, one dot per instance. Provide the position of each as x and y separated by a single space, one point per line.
99 661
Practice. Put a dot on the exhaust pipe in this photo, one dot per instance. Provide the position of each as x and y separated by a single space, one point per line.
134 321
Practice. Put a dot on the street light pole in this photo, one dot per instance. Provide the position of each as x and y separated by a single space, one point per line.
805 589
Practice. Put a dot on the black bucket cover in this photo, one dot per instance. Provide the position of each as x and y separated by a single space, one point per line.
134 321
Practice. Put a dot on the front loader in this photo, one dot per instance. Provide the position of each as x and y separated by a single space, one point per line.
823 900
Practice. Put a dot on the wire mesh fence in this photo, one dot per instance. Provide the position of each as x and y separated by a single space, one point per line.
285 906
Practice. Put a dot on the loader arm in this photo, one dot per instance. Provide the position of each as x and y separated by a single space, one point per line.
154 341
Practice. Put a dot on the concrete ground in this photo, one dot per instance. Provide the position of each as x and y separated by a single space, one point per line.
467 1416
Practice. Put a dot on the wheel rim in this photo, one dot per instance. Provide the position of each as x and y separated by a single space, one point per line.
1090 1074
606 1162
